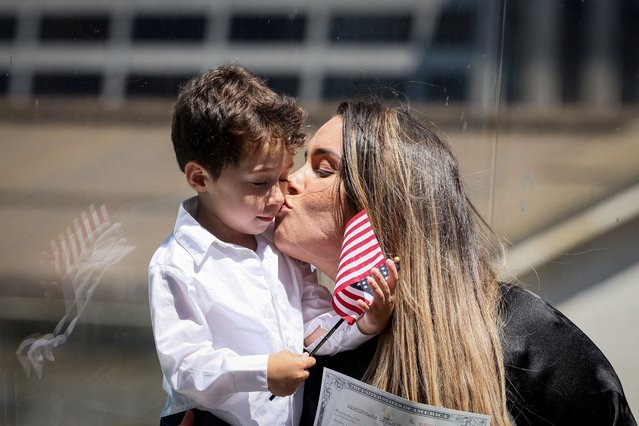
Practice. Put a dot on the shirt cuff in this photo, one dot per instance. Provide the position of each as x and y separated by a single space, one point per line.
249 372
345 338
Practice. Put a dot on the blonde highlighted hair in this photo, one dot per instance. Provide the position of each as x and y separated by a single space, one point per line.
442 346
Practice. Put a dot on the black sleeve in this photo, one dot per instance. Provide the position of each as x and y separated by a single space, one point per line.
555 374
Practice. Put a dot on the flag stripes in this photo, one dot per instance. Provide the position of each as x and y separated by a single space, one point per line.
71 244
360 253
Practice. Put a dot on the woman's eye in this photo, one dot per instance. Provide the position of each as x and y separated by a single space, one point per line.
261 183
324 172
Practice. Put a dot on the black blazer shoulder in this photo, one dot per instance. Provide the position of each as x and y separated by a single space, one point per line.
555 374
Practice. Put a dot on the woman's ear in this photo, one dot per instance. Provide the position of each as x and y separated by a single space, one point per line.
196 176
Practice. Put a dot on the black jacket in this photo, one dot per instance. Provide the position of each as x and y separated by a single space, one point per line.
555 375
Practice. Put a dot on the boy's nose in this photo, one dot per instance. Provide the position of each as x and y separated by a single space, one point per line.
277 193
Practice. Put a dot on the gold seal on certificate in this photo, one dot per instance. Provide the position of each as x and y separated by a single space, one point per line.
346 401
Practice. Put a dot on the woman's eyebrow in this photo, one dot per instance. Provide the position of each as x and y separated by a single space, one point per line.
326 151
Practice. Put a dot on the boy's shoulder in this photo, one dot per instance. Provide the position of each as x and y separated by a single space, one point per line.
170 252
175 249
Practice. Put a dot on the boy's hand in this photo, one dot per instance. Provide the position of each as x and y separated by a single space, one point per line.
188 419
286 371
378 313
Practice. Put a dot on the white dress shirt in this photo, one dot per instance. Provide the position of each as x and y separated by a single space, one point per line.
218 310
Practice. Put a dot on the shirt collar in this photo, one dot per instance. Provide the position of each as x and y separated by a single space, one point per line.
196 240
189 233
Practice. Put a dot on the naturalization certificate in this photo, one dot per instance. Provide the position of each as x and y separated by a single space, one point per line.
346 401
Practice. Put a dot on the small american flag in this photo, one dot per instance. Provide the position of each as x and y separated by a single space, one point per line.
360 253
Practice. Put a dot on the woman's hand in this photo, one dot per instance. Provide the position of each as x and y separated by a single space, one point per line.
378 313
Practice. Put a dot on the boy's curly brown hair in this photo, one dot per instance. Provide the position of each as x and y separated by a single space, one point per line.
224 115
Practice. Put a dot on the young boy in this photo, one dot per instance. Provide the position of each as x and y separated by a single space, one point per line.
230 314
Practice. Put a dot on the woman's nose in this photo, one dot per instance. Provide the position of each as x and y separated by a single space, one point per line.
295 182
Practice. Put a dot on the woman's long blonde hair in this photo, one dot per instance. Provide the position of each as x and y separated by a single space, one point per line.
442 346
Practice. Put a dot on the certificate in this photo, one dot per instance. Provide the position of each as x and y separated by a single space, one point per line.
346 401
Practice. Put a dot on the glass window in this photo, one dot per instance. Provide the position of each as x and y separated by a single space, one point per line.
83 28
7 27
267 28
341 87
288 84
513 53
628 43
4 82
67 84
141 85
455 28
391 28
445 87
163 28
573 45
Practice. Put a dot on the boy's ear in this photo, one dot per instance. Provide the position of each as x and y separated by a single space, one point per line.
196 176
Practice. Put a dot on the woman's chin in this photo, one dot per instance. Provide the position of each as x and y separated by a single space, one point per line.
279 238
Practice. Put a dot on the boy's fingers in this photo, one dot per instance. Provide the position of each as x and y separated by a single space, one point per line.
188 419
309 361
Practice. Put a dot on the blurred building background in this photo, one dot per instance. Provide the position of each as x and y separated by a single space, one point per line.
539 100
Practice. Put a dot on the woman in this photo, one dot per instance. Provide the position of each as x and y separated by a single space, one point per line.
458 338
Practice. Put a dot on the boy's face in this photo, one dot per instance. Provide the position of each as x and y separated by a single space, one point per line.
245 198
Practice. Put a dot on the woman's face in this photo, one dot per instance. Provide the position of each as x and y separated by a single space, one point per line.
305 227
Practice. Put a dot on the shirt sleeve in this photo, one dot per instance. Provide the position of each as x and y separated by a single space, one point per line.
188 358
317 311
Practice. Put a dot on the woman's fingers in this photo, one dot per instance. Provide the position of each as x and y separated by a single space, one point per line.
383 288
363 305
381 308
393 274
379 285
